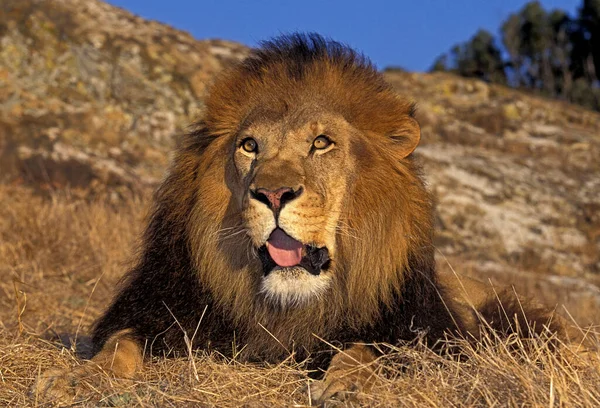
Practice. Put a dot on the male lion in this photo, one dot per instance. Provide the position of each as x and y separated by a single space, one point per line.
292 217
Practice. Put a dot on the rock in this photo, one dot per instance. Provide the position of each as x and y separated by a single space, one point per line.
91 79
62 165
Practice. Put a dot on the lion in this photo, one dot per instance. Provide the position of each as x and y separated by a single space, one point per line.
294 220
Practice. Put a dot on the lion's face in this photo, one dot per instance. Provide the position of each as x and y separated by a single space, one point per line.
305 195
292 175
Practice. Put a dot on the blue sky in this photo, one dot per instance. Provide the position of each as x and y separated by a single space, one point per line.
409 34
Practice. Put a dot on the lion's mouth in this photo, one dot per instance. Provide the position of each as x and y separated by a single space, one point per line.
282 251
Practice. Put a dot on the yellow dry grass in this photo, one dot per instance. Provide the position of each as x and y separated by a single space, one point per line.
60 259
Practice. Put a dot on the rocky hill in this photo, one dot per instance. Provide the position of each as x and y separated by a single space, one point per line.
92 99
92 96
517 183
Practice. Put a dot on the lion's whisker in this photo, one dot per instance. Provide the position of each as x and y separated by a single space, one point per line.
228 236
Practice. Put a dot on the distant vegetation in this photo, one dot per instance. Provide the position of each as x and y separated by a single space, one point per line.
548 52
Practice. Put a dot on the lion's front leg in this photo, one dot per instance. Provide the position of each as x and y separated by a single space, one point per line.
350 371
120 356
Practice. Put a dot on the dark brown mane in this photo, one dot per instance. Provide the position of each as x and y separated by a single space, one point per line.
294 69
299 51
386 278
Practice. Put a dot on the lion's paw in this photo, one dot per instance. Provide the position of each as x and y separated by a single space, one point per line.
59 386
333 392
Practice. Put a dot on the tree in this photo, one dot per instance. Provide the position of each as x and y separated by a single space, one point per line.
589 16
479 57
535 41
511 39
487 57
440 63
548 52
561 25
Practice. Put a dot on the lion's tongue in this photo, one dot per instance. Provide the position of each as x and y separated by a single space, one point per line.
284 250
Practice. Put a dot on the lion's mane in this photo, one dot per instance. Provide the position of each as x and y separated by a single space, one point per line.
187 279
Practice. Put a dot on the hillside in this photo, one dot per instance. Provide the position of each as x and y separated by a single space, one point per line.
92 100
93 96
517 183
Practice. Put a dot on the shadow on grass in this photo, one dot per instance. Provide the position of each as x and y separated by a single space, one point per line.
81 345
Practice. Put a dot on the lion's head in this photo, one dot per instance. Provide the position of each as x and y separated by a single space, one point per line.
304 194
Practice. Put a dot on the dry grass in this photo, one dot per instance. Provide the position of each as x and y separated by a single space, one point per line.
60 260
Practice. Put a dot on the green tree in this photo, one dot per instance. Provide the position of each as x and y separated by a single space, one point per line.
562 26
511 39
548 52
440 63
535 42
479 57
487 57
589 16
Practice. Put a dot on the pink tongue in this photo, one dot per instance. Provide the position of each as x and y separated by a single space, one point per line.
284 250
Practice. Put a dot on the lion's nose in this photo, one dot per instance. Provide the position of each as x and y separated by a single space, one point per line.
276 199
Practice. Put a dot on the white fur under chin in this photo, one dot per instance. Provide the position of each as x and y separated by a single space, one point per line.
294 286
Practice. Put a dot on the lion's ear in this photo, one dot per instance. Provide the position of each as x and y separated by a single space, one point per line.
406 136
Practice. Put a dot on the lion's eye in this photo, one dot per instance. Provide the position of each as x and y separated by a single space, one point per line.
249 145
321 142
